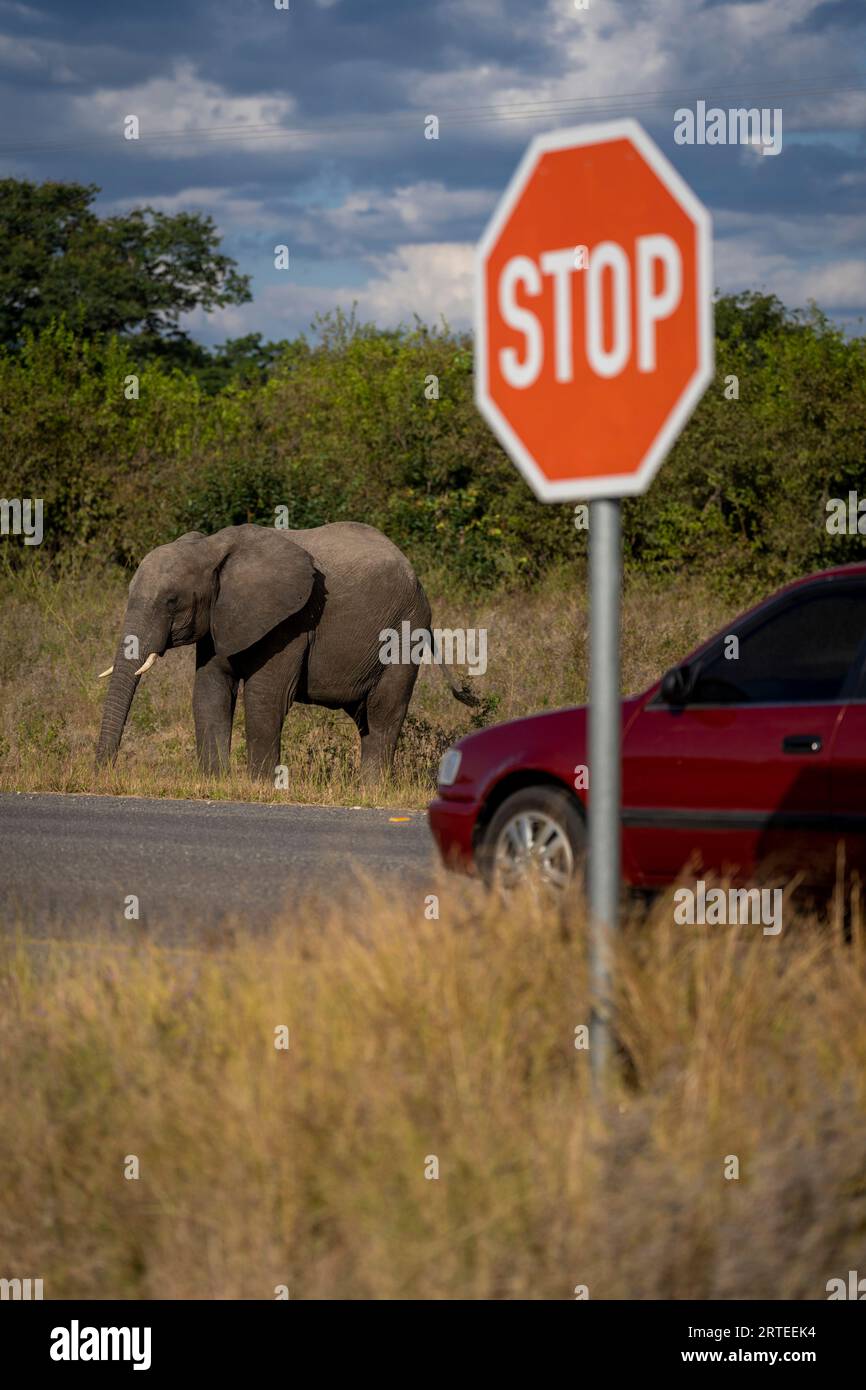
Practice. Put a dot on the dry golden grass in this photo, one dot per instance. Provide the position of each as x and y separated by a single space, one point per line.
56 635
410 1038
453 1038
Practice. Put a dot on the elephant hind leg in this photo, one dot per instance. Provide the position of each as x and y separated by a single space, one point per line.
380 719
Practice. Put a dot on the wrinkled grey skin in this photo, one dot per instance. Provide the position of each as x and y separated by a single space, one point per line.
295 615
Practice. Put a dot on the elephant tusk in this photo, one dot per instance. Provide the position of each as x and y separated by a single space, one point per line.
105 673
147 665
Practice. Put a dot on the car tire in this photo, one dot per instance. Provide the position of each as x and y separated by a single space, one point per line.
536 835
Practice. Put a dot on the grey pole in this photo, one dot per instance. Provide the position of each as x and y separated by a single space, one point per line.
605 586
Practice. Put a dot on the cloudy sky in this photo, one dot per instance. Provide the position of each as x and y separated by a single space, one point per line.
305 126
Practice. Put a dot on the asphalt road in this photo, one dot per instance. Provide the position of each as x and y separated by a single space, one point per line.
67 863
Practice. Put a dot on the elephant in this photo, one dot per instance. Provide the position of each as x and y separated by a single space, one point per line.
294 615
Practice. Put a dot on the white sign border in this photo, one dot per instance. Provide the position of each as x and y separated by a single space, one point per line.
612 485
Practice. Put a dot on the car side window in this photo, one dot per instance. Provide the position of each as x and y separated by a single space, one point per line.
799 654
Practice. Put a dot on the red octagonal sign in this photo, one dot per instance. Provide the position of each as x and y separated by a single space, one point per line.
593 312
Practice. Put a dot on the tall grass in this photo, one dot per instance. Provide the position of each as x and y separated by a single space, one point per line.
452 1039
57 634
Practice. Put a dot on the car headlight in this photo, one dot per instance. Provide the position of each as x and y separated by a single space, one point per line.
449 767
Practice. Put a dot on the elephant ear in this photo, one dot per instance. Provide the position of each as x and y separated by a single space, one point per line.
262 578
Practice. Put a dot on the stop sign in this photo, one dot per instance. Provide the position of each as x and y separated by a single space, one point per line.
593 313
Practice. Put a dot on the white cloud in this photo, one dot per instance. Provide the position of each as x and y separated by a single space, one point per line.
35 56
434 280
416 207
22 11
431 279
367 216
185 104
19 53
803 259
839 285
610 52
230 211
364 218
614 60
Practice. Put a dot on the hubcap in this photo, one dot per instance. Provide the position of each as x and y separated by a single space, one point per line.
534 848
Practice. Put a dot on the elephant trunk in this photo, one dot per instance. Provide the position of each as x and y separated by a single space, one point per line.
121 688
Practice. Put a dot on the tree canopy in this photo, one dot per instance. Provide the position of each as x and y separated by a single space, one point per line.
342 426
133 273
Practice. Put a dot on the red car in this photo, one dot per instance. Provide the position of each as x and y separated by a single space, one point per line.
748 759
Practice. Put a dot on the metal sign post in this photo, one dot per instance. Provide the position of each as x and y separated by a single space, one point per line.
605 727
593 345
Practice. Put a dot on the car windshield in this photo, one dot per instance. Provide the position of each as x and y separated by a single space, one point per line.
801 652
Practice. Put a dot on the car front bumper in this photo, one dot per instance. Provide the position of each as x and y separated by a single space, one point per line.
453 826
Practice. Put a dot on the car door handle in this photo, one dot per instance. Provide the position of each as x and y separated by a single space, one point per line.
802 743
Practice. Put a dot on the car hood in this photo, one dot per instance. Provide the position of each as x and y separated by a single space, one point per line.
536 739
526 729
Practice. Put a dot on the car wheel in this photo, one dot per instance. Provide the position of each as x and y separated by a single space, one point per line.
536 837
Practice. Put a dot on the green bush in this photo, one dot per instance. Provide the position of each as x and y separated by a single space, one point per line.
344 427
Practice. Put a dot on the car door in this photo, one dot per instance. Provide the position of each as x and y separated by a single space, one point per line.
848 776
739 776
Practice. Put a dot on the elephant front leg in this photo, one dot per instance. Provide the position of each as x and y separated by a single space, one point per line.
263 716
266 702
269 689
213 706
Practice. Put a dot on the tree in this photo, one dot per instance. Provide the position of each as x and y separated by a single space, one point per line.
751 315
243 361
134 273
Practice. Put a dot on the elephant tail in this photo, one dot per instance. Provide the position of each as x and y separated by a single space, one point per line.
460 692
433 653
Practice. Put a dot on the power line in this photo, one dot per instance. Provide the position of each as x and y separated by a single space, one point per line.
492 113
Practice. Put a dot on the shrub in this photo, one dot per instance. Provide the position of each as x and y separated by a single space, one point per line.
349 426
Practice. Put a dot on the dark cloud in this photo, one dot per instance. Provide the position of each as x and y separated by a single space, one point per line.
346 57
358 67
833 14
